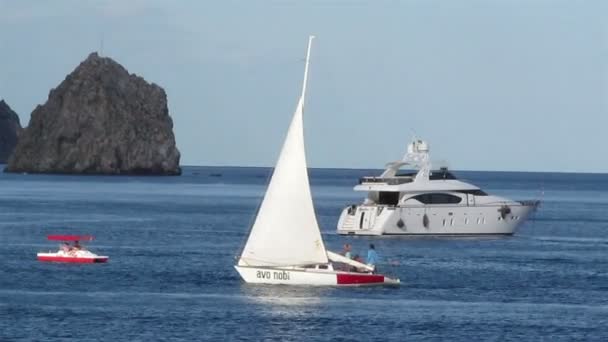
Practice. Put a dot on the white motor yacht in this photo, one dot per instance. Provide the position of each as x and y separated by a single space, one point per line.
426 202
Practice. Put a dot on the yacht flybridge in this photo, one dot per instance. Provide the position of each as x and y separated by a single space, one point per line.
285 244
426 202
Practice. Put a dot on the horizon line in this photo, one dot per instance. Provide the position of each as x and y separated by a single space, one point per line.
3 165
368 168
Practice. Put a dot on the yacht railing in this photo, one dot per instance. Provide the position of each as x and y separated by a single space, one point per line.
530 203
535 203
386 180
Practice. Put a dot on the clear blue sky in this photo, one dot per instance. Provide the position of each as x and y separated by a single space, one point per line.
492 85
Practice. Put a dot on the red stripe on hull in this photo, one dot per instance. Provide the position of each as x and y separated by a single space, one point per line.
72 260
353 279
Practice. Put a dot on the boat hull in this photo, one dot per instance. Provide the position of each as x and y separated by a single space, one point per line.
311 277
53 257
442 221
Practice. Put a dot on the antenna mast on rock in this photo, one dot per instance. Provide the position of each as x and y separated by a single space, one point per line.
101 46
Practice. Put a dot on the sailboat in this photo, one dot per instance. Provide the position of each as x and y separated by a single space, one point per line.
285 245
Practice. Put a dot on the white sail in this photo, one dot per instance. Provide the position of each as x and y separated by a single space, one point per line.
286 232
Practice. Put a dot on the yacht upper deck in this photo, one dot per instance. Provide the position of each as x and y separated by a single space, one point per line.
441 174
404 184
417 177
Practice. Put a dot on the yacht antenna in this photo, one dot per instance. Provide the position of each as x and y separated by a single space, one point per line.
414 135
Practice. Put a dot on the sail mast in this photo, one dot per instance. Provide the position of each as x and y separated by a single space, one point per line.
304 83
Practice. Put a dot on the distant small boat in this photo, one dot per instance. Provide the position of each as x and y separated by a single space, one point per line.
285 245
215 175
75 253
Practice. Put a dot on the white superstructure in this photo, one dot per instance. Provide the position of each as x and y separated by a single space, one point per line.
426 202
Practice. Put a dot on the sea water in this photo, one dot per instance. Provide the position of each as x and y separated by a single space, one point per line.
172 242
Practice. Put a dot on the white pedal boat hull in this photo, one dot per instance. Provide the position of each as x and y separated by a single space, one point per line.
83 257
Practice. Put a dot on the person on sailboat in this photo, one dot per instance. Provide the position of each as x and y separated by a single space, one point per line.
346 251
372 257
357 258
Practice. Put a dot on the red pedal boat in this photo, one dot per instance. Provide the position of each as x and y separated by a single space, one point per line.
74 253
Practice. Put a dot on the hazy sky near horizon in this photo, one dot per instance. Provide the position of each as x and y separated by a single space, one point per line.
492 85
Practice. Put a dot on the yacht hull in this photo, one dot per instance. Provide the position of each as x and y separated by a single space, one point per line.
441 220
311 277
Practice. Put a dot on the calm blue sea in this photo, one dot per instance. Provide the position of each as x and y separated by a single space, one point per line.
172 243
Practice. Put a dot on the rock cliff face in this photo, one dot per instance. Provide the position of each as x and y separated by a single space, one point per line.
99 120
10 128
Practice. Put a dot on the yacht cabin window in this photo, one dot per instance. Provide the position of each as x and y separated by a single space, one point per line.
388 197
473 192
437 198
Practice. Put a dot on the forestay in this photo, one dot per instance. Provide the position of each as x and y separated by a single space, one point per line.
286 232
